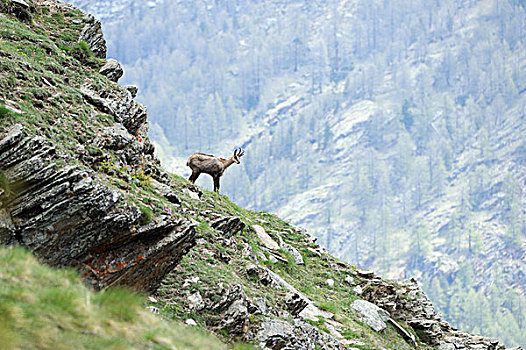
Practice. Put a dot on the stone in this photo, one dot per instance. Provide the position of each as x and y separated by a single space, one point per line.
116 137
358 290
195 301
22 10
446 346
192 194
349 280
295 303
112 69
92 35
76 21
409 337
152 299
330 282
132 89
365 273
371 314
261 256
276 334
298 259
264 237
20 3
235 308
153 309
314 252
228 225
189 281
190 322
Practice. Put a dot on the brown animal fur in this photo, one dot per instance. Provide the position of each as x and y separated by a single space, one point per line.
211 165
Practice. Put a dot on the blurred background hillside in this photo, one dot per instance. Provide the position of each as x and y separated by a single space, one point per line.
392 130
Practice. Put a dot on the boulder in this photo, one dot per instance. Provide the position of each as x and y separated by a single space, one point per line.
190 322
264 237
371 314
116 137
235 309
295 303
298 259
228 225
112 69
195 301
276 334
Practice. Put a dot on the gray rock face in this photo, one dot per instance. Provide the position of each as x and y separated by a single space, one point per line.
92 35
113 70
297 334
68 218
132 89
407 302
120 104
371 314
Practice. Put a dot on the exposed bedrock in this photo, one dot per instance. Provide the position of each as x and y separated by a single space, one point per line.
69 217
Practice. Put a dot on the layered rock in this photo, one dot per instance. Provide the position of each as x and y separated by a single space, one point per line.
67 216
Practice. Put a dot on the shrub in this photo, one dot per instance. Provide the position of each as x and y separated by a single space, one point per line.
81 51
146 215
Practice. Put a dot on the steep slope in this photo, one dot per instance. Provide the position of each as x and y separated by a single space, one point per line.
394 128
43 308
68 134
80 187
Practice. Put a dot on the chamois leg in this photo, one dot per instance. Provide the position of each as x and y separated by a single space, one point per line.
216 183
194 176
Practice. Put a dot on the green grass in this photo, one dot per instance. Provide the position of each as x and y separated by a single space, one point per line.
45 308
3 111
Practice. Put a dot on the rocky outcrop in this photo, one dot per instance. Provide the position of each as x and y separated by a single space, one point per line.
277 334
120 104
113 70
92 35
406 302
68 217
371 314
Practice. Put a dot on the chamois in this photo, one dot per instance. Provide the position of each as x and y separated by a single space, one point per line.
211 165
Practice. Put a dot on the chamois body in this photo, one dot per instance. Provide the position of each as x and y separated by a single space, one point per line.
211 165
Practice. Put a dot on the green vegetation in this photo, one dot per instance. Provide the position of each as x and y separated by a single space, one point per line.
3 111
216 264
45 308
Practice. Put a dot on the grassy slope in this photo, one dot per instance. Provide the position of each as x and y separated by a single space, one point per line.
207 261
45 308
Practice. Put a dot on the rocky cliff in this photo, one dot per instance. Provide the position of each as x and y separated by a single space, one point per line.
80 187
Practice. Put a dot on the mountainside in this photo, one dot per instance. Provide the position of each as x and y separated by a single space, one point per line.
80 187
395 129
